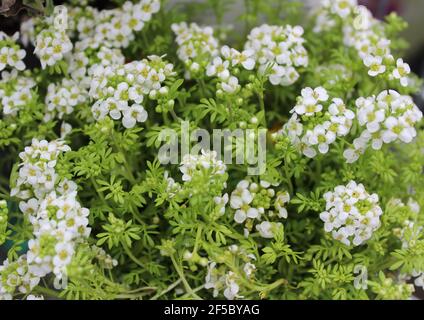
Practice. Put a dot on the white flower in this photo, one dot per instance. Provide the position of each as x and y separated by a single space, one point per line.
221 202
282 199
232 289
219 68
343 7
321 137
132 115
10 52
249 268
375 65
64 253
370 116
195 164
397 128
266 229
338 107
231 85
246 59
401 72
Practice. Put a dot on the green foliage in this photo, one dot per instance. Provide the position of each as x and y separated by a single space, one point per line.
164 232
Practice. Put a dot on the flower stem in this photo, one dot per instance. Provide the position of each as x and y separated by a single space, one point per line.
189 290
47 291
172 286
130 254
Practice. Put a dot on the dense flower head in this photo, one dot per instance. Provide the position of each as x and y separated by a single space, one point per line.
11 55
37 176
366 35
16 92
192 165
87 56
317 121
116 27
385 118
279 48
62 98
352 214
120 90
59 222
196 46
259 203
53 43
226 65
16 276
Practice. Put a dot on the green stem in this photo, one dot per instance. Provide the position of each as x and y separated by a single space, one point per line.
198 235
262 105
47 292
130 254
288 177
96 187
165 118
189 290
202 87
174 115
172 286
194 290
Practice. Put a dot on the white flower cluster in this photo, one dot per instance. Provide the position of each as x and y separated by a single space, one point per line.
196 47
352 215
87 56
194 164
119 90
222 67
52 43
14 276
10 53
15 92
59 222
280 48
115 28
253 202
317 122
218 277
386 118
37 176
62 98
366 35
